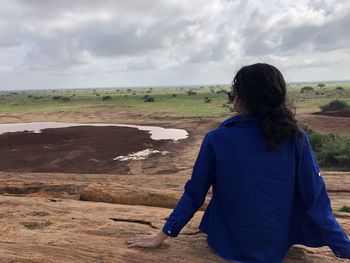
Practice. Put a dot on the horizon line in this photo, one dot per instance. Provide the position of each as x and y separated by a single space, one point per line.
169 86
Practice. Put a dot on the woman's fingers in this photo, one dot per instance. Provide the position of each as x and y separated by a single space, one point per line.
146 240
139 244
134 244
139 239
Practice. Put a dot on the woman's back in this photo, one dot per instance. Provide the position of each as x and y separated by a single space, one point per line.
268 193
253 193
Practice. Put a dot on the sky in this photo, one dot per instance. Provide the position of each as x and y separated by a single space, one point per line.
50 44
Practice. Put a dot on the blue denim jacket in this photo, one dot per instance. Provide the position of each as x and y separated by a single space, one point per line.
263 201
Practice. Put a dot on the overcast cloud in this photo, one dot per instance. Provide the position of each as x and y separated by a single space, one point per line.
69 44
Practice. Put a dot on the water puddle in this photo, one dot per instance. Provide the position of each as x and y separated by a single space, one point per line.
157 133
140 155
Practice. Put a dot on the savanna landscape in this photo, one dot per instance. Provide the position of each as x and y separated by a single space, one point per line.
65 198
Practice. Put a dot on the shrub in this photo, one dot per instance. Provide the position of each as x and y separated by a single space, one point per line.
339 88
207 100
191 93
107 97
306 88
321 85
149 99
336 105
345 208
331 150
173 95
222 91
66 99
57 97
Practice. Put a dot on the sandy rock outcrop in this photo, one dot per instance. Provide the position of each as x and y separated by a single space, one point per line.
87 218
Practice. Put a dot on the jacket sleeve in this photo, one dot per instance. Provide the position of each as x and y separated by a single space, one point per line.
313 193
195 190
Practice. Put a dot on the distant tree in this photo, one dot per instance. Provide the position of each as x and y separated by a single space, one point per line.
57 97
321 85
336 105
66 99
149 99
345 208
207 100
222 91
306 89
191 93
107 97
339 88
173 95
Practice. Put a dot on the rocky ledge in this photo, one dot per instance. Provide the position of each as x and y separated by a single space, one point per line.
87 218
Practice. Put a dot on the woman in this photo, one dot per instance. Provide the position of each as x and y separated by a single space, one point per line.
268 193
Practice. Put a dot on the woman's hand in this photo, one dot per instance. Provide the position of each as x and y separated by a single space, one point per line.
150 240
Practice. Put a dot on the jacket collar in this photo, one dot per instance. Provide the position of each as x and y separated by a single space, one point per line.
240 118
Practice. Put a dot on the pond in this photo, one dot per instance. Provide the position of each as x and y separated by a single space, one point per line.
81 147
157 133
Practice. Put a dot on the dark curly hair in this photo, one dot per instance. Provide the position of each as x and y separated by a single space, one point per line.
262 90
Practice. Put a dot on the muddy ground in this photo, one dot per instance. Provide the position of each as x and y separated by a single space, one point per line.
326 122
81 211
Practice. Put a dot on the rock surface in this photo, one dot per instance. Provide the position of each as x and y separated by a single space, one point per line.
55 218
76 217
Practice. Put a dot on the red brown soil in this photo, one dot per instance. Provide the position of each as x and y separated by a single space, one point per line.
326 122
82 149
333 113
92 149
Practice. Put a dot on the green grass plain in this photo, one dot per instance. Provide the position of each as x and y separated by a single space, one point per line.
132 99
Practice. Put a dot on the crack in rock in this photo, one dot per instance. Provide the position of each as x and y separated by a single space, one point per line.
134 221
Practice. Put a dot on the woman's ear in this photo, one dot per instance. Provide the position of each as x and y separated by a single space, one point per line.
236 105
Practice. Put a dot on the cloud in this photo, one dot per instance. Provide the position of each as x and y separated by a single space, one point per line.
161 38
